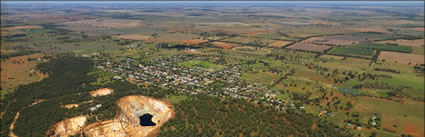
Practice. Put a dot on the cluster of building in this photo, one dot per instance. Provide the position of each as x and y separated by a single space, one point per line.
168 73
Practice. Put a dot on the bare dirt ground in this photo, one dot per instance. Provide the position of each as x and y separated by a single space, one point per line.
403 58
12 126
224 45
411 129
279 44
101 92
68 106
67 127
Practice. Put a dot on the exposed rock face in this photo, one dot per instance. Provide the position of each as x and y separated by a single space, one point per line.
67 127
127 122
109 128
101 92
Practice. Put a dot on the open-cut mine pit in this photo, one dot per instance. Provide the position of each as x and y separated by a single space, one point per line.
67 127
138 116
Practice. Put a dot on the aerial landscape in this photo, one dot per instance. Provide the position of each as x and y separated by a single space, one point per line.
212 68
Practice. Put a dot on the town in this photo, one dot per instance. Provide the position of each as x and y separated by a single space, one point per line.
193 80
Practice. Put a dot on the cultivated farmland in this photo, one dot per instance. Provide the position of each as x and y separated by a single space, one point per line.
403 58
308 47
415 43
336 40
223 45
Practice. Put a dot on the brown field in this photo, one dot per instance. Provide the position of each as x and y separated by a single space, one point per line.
279 44
417 42
369 30
134 37
224 45
256 32
5 51
110 23
16 71
417 29
308 47
403 58
193 41
8 33
22 27
335 40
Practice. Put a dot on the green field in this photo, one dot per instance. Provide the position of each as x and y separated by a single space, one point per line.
377 46
251 50
352 51
177 99
260 77
202 64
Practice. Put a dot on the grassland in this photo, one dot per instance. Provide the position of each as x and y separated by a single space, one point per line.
260 77
251 50
308 47
19 71
134 37
408 116
404 58
202 64
177 99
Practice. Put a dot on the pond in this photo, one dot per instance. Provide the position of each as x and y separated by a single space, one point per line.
146 120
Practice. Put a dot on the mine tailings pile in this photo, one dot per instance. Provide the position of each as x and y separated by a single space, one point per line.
138 116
